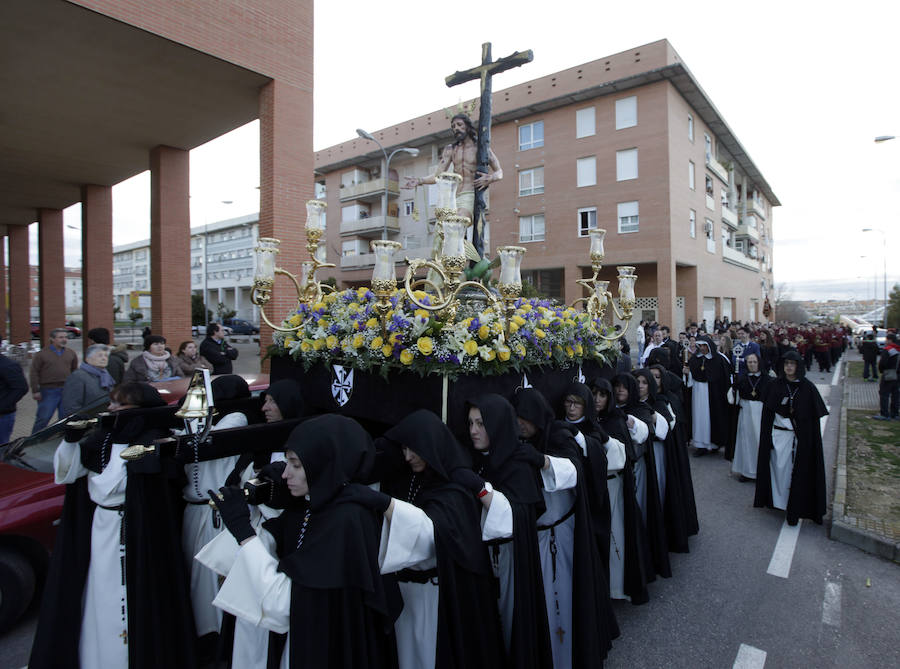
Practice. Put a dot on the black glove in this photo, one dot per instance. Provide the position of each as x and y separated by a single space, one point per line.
468 480
74 434
234 511
273 471
531 455
602 434
363 494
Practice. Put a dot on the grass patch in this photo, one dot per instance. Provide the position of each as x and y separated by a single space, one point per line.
873 467
855 369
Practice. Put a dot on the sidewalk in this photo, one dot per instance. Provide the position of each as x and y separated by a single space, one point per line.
877 536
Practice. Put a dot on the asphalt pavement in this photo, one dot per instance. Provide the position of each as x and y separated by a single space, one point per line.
752 592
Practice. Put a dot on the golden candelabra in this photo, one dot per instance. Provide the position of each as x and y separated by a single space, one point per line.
601 298
308 288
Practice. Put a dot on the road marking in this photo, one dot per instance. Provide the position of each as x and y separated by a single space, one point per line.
831 605
749 657
837 373
783 555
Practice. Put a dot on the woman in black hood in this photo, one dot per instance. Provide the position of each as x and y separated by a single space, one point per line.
576 589
450 617
628 399
512 466
710 378
326 589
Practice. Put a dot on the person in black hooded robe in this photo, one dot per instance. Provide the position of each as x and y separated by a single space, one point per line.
750 389
576 587
790 470
116 593
512 466
629 557
450 618
628 400
325 588
709 380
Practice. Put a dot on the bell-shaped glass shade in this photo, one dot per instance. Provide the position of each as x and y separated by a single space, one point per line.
511 264
384 259
307 272
266 249
597 237
447 183
454 236
626 286
315 216
600 289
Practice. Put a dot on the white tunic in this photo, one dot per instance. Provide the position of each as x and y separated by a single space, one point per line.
639 434
660 432
201 524
781 461
615 463
104 625
746 445
702 427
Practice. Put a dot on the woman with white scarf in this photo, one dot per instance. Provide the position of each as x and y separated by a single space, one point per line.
154 364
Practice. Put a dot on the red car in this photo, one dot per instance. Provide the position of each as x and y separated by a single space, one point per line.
36 330
30 507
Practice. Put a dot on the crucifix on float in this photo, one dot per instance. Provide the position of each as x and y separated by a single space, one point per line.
487 167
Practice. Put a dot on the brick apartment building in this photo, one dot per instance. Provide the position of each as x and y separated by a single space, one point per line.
629 143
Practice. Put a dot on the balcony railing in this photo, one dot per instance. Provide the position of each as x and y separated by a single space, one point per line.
717 168
754 207
363 260
368 190
748 230
735 257
370 227
729 216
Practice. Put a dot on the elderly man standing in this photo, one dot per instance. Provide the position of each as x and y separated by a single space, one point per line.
49 370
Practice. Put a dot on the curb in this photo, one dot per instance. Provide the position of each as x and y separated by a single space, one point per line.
846 528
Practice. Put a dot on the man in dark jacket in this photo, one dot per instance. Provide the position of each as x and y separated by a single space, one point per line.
889 390
869 350
215 349
12 388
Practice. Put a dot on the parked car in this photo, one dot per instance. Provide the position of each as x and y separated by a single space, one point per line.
36 330
30 508
200 330
240 326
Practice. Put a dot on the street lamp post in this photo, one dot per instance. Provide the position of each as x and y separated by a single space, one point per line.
206 265
884 255
387 164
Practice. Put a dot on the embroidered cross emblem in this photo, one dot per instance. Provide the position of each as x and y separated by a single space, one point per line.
341 384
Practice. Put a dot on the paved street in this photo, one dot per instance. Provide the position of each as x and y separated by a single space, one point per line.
752 592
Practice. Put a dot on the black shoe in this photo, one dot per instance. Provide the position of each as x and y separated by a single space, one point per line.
791 522
744 479
700 452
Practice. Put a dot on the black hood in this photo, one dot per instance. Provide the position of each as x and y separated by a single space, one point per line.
502 428
286 394
630 383
229 387
796 357
651 384
424 434
580 390
602 385
709 342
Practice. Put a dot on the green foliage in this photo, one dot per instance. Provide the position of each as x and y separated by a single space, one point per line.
529 291
197 317
892 319
224 312
135 316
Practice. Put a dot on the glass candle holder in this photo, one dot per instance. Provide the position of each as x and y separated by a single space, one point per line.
383 271
315 216
600 292
626 284
454 236
597 237
511 264
307 273
447 183
266 249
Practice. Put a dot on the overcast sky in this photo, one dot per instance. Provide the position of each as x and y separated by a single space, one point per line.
806 87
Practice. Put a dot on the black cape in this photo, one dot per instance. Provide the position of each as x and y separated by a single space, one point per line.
340 615
716 373
807 494
505 469
468 625
594 623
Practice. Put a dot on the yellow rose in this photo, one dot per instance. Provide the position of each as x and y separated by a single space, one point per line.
513 327
425 345
376 344
329 298
421 313
288 341
503 354
520 350
372 323
353 307
358 341
306 345
361 293
540 334
544 322
419 295
518 320
579 349
318 344
526 308
395 338
483 332
406 356
386 350
294 320
570 351
470 347
331 341
487 354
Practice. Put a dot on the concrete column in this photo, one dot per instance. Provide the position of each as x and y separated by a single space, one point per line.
237 301
19 285
96 257
3 301
170 243
51 268
665 289
286 166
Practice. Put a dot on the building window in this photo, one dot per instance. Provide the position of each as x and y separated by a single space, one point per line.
691 183
709 186
690 127
626 112
626 164
408 207
628 216
585 122
548 282
320 190
586 171
531 182
710 229
587 220
531 228
707 143
531 136
693 223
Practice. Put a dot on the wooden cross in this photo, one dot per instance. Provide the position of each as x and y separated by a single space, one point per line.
124 636
484 72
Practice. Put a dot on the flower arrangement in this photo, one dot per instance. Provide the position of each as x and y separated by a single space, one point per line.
344 328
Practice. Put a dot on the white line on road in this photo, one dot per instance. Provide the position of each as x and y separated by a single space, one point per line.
831 605
749 657
837 373
783 555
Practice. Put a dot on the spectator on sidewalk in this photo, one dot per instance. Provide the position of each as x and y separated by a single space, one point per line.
118 357
154 364
190 359
50 368
89 383
869 350
889 390
12 388
215 349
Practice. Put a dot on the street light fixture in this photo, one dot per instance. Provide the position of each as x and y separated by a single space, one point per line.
884 138
884 242
385 173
